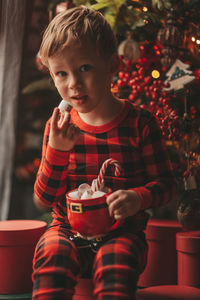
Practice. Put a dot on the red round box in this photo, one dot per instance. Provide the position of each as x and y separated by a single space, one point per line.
162 257
169 292
18 239
188 251
90 217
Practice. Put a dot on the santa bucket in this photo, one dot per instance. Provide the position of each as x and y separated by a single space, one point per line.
89 217
87 209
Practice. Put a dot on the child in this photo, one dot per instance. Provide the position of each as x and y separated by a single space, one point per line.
79 48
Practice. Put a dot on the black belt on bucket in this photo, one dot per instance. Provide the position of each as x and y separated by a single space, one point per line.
80 208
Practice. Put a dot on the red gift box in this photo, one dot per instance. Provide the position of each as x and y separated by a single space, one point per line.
162 257
188 251
18 239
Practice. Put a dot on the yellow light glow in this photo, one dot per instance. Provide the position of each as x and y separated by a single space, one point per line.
198 42
145 8
193 39
155 74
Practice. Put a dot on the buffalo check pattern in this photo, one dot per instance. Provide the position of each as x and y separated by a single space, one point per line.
134 139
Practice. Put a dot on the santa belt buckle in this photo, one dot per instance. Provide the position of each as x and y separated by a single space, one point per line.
76 208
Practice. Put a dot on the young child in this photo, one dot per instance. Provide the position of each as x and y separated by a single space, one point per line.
79 48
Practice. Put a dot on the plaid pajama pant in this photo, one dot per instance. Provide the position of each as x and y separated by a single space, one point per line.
115 266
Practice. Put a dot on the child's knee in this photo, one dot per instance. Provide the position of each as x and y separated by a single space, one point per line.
54 249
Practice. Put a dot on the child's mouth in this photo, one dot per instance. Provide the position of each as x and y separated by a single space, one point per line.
79 99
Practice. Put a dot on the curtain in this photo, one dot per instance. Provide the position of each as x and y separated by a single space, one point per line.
12 20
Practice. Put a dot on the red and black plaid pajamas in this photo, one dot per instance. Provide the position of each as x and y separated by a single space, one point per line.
134 139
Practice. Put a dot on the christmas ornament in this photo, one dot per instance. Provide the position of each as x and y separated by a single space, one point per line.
170 35
129 48
171 38
178 76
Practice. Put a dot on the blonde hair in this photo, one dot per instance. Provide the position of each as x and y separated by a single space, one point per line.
78 24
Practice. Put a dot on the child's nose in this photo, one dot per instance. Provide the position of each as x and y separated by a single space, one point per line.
74 82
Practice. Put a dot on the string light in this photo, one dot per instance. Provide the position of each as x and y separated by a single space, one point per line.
193 39
155 74
145 9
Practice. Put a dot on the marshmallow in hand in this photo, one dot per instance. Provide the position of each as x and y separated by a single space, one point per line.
64 106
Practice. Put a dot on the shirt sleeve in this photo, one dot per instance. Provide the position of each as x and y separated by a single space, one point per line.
50 185
161 184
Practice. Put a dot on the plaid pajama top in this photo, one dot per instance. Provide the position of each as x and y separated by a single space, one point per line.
133 138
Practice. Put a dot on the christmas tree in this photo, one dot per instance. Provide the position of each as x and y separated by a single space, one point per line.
159 52
161 74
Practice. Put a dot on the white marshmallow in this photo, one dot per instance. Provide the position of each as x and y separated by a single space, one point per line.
98 194
64 106
87 195
74 194
82 188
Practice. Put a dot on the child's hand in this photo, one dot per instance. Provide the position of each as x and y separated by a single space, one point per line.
63 135
123 203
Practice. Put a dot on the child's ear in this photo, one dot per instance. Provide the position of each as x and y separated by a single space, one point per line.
114 65
52 75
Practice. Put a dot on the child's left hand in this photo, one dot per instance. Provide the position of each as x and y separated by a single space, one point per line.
123 203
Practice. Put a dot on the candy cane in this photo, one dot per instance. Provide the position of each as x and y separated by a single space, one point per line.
96 184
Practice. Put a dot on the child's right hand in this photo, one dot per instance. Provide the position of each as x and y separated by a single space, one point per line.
63 135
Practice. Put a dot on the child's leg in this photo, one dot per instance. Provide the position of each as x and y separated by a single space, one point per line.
55 266
117 266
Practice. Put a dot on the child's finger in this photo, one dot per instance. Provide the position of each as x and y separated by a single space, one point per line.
64 120
114 205
118 216
61 116
73 131
55 119
120 213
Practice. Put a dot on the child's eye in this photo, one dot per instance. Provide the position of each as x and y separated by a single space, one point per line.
61 74
85 68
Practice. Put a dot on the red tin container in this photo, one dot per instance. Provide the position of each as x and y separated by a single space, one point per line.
169 292
90 217
161 266
18 239
188 250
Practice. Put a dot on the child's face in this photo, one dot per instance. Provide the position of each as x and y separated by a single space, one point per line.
82 77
